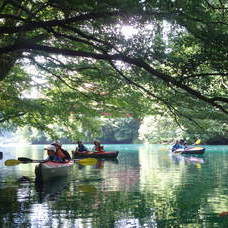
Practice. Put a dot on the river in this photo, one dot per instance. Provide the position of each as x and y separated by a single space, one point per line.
145 187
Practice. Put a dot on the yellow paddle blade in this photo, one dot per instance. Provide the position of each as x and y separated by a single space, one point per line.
12 162
198 141
87 161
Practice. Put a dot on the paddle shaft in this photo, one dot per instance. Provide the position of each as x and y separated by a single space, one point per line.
12 162
28 160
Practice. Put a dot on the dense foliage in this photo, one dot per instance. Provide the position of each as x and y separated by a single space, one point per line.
84 62
118 130
163 129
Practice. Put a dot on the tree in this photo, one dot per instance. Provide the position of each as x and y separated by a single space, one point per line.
120 130
175 61
163 129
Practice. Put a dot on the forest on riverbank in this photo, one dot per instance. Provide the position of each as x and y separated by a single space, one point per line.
119 71
126 130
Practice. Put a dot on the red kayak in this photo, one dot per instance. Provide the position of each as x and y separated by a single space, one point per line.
90 154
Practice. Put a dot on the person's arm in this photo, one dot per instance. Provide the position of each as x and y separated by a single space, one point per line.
67 154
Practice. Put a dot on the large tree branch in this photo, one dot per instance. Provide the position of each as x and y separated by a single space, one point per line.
31 26
133 61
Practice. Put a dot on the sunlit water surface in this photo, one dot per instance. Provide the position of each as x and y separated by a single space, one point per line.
145 187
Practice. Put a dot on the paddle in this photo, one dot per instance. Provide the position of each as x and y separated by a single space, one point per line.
12 162
197 142
85 161
23 160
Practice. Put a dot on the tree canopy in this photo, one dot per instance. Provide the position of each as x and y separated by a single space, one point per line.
112 58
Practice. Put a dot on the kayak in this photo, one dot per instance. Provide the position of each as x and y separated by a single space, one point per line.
90 154
49 169
190 150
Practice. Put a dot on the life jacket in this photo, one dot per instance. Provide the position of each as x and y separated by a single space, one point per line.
99 148
60 154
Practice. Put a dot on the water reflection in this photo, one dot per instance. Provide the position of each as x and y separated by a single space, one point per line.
145 187
188 159
51 190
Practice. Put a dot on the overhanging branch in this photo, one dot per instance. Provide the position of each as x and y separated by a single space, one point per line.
130 60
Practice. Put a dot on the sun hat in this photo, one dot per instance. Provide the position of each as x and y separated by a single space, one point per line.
50 147
56 144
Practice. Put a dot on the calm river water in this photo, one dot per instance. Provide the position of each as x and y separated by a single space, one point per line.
145 187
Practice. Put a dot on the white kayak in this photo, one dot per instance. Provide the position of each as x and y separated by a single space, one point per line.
190 150
49 169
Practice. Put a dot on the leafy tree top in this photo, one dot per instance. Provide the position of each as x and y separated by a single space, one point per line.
175 61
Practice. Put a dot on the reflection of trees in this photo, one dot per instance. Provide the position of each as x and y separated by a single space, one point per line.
9 205
107 201
15 203
51 190
147 188
185 193
104 208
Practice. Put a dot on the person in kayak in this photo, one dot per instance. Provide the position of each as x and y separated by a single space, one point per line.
97 147
179 145
175 146
51 151
81 147
60 152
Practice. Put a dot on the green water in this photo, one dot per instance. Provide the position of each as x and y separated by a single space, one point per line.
145 187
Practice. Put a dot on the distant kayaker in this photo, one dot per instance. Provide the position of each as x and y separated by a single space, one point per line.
175 146
179 145
51 151
60 152
81 147
97 147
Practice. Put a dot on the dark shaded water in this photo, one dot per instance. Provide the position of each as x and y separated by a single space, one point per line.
145 187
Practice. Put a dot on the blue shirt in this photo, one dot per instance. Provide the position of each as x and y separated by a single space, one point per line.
54 158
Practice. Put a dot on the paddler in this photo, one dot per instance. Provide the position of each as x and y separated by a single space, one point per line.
51 151
97 147
81 147
60 152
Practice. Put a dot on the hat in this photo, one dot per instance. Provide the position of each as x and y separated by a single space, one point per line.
50 147
56 144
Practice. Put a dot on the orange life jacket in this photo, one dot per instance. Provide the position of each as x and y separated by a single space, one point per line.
99 148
